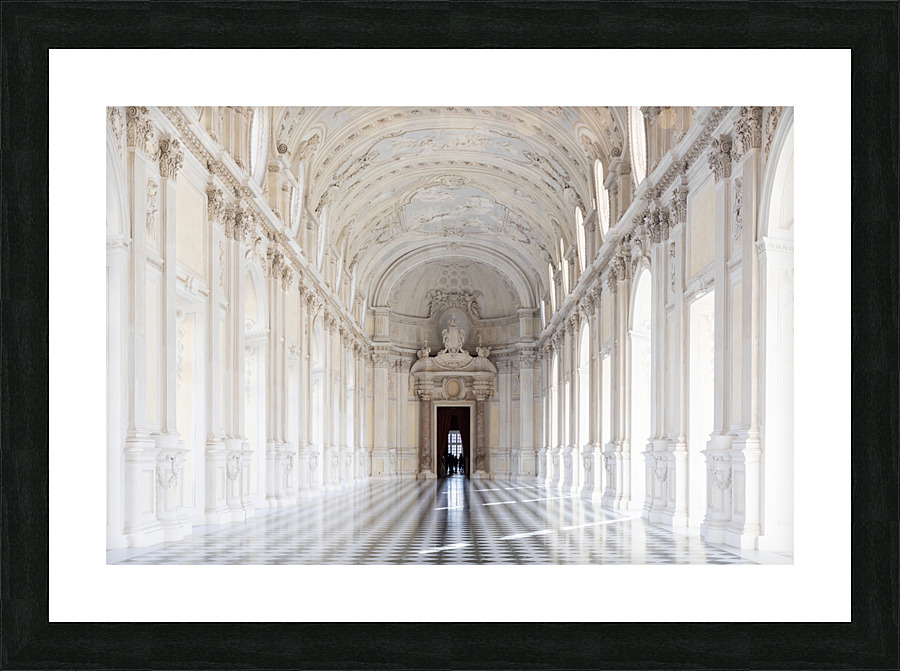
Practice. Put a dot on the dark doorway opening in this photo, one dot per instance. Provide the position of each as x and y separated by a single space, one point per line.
453 441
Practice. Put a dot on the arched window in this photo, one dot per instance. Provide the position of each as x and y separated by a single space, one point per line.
259 137
563 268
637 137
321 251
602 199
552 287
297 202
579 225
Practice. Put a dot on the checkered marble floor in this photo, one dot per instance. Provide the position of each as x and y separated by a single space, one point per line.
450 521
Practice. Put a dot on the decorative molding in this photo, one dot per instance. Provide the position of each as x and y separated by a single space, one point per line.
152 208
772 119
117 124
737 211
118 242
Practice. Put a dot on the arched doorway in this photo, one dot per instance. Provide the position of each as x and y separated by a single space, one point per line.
454 438
776 272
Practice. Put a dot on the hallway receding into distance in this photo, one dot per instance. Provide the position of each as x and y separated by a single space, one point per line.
315 314
448 521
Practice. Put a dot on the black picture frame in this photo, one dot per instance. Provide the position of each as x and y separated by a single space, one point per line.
30 29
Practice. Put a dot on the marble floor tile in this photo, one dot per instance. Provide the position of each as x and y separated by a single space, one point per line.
450 521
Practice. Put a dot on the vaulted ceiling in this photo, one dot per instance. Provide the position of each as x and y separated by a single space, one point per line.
494 188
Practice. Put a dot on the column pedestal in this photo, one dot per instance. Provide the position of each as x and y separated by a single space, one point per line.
217 511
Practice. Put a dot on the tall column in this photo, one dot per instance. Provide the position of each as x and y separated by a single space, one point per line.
216 508
238 452
405 452
305 483
570 417
426 466
141 526
382 466
592 401
170 460
556 439
118 243
718 449
362 454
657 465
677 380
623 379
481 395
528 453
744 529
330 454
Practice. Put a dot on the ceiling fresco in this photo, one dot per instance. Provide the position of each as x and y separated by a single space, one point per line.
410 184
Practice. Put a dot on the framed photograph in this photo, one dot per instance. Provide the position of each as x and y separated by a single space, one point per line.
324 309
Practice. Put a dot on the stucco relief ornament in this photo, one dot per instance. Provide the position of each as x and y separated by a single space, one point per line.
661 474
114 116
481 350
453 337
679 205
672 267
425 351
738 212
168 477
234 467
722 477
771 124
152 208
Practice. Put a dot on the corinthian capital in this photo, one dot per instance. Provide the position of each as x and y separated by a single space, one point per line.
720 157
215 204
748 128
138 128
170 156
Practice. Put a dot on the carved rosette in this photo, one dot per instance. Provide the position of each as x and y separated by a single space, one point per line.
170 156
720 157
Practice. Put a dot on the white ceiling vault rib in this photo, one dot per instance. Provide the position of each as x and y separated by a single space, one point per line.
408 186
